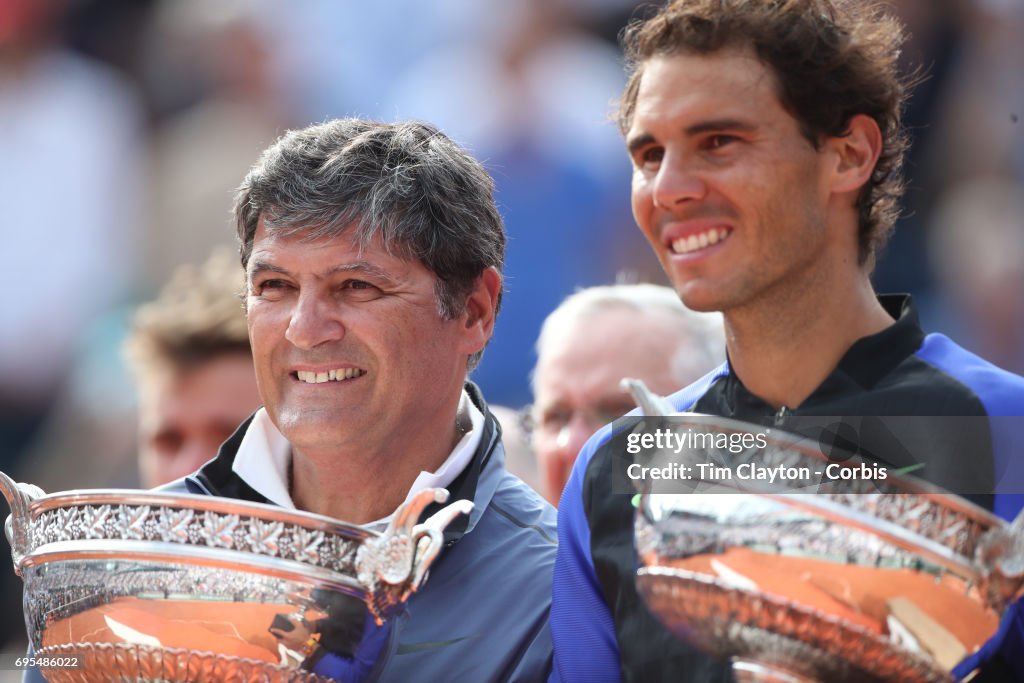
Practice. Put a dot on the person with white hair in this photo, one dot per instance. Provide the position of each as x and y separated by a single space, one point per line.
596 337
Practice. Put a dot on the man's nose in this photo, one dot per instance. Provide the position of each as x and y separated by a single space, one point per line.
677 181
314 321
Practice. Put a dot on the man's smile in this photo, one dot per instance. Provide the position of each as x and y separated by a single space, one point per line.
335 375
696 237
701 240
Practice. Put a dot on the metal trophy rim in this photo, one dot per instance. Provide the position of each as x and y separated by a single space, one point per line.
158 552
193 501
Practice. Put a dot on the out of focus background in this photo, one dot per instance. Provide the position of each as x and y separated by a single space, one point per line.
125 125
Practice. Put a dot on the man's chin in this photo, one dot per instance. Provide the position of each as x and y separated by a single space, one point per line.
310 429
699 297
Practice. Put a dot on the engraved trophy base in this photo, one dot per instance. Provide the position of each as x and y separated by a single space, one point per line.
128 663
773 640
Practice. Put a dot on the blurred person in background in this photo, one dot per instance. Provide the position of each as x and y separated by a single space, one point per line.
70 190
224 108
965 123
191 361
594 339
978 257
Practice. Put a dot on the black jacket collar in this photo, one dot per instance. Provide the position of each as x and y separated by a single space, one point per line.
217 478
867 361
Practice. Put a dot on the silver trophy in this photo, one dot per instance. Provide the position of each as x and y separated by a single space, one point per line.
846 580
145 586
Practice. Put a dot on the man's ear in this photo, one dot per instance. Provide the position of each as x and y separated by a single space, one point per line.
856 154
481 311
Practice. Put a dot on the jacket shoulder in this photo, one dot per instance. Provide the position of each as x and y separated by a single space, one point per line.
1000 391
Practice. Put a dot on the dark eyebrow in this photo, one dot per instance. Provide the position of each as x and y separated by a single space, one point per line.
638 141
363 267
718 125
258 267
714 125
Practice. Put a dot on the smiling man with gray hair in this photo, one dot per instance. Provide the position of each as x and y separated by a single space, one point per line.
373 256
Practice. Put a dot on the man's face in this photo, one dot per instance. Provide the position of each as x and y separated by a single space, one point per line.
577 382
185 416
731 196
349 347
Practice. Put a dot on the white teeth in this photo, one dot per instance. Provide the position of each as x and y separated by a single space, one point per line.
685 245
329 376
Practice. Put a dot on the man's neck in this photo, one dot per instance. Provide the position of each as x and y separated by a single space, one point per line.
783 349
367 482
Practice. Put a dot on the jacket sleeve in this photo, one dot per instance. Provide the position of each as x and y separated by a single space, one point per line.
582 628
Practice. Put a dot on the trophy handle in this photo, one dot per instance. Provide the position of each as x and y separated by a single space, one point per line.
18 524
1000 557
650 403
392 566
429 537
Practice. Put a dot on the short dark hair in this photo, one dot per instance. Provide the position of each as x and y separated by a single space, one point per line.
833 59
407 183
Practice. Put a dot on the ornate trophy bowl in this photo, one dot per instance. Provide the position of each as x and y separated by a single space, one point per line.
844 580
145 586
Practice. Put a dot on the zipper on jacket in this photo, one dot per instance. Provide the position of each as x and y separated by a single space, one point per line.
782 414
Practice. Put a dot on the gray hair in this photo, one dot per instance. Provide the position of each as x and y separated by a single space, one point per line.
701 335
406 183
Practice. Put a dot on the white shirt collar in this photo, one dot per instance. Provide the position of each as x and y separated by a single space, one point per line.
264 457
263 460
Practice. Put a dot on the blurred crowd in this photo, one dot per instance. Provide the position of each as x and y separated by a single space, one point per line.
125 126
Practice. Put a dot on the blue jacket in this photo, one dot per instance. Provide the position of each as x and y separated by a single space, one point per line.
482 615
601 630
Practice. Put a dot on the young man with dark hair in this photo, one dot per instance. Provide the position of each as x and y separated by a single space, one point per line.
766 145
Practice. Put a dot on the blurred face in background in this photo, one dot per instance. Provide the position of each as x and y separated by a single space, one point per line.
576 384
184 416
26 22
